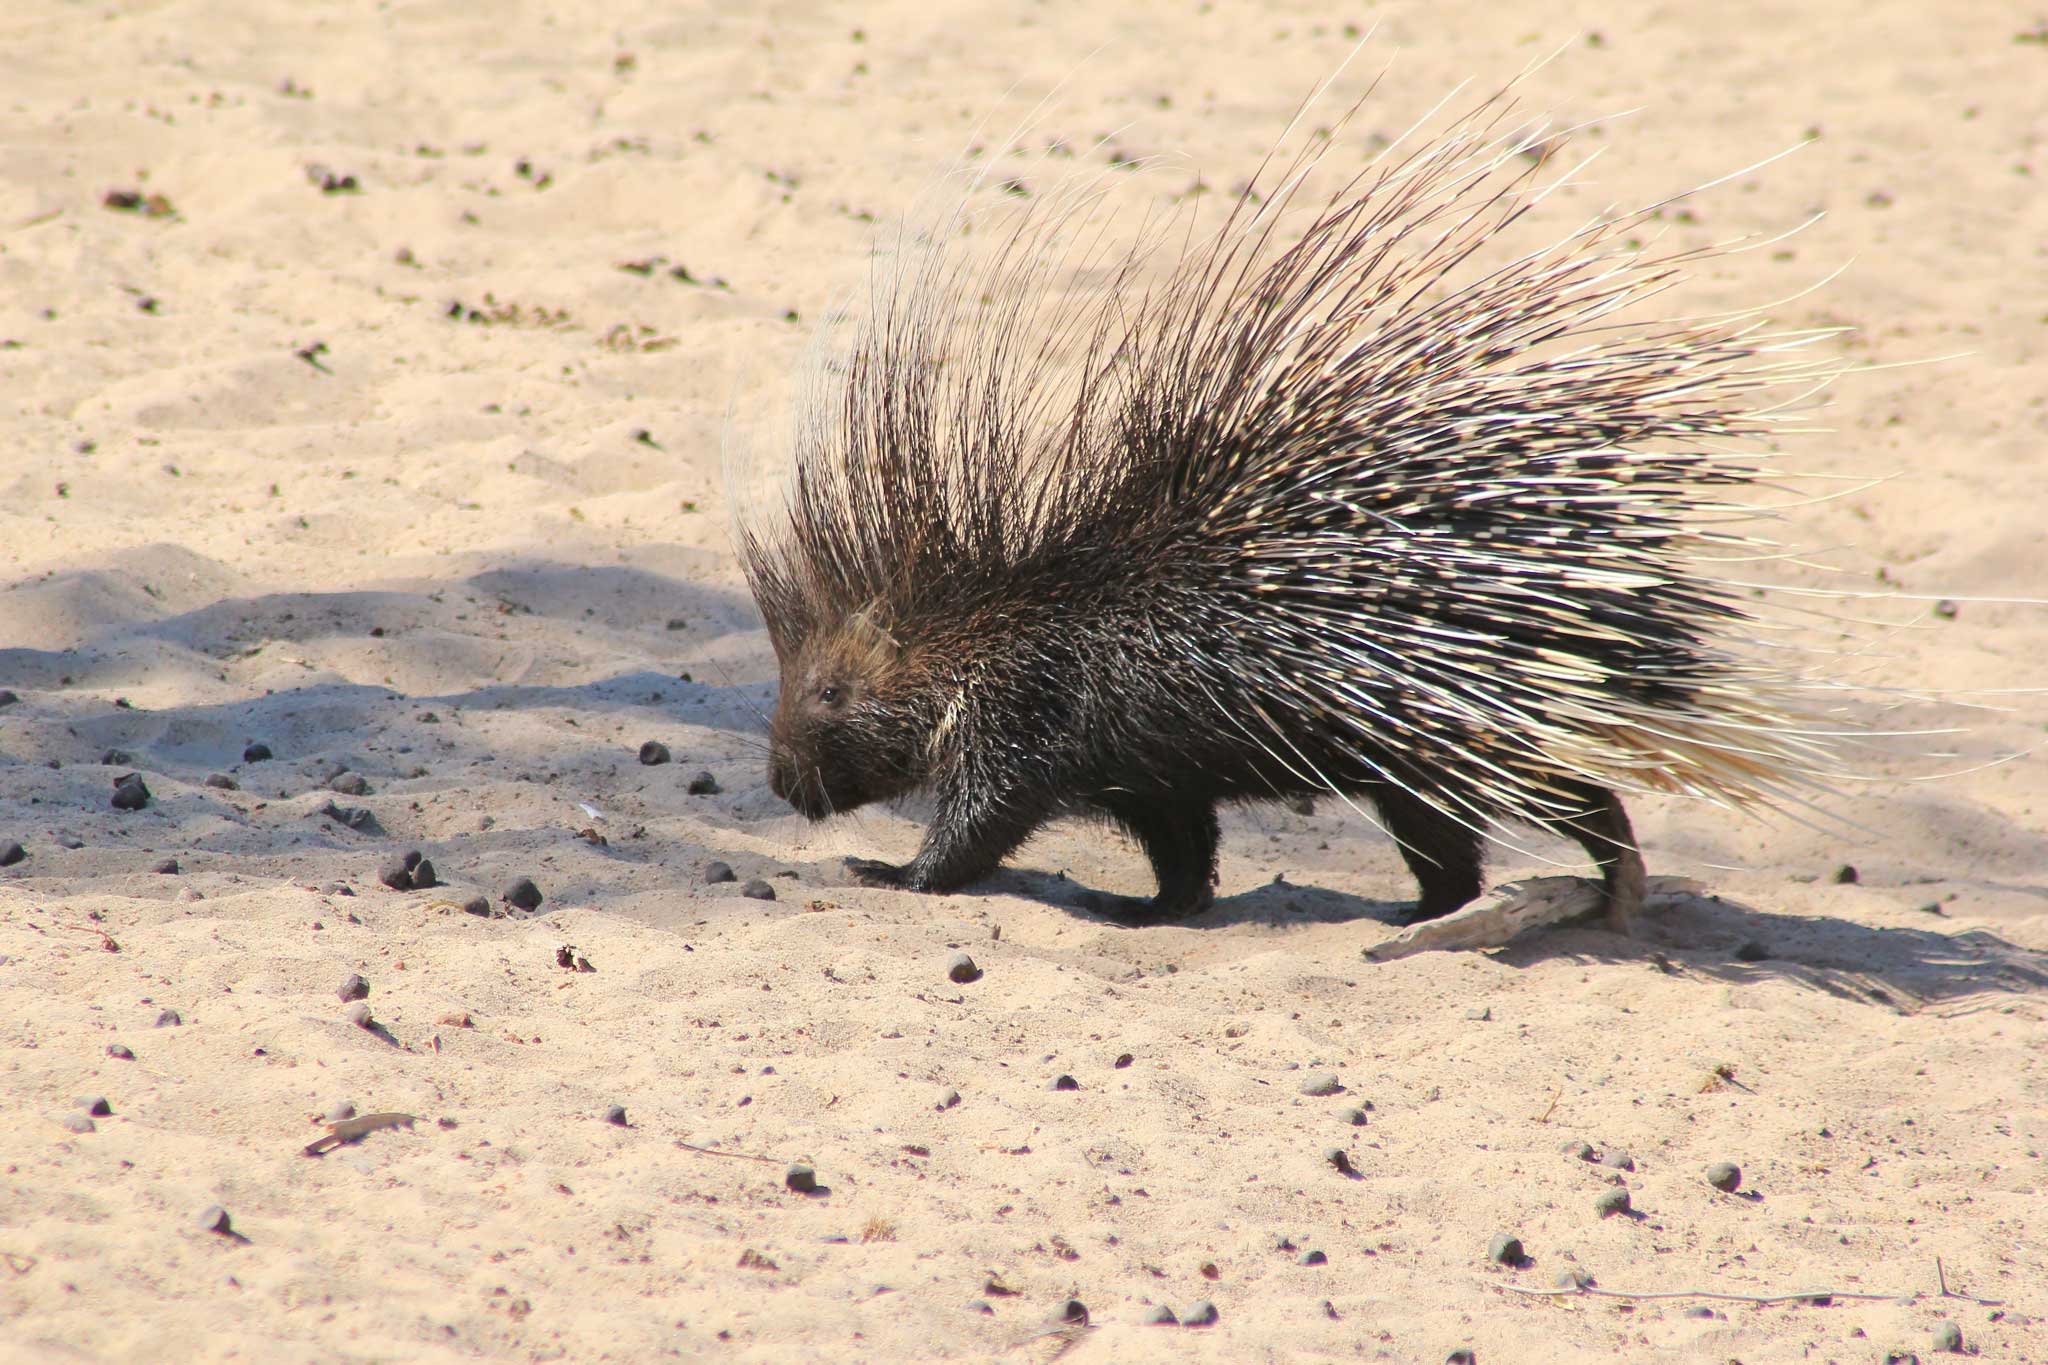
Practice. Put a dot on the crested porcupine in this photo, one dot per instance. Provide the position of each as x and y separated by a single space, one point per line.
1333 503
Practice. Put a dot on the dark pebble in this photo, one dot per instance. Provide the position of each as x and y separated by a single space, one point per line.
1947 1337
1200 1313
10 854
169 1019
1618 1159
801 1178
477 905
1725 1176
413 858
359 1015
424 876
1572 1278
395 874
96 1105
70 841
523 894
1339 1158
654 753
222 782
116 758
1946 610
947 1100
1123 1059
1353 1116
960 968
1752 951
616 1114
1464 1355
8 697
1162 1316
1065 1082
714 873
1321 1084
980 1306
758 890
120 1052
1582 1150
1313 1257
214 1218
1505 1248
1845 875
130 793
703 784
350 784
1073 1313
1612 1200
353 987
78 1123
256 753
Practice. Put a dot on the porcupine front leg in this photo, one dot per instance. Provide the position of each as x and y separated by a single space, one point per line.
1180 838
966 841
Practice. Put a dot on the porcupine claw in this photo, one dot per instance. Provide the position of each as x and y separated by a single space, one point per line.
870 872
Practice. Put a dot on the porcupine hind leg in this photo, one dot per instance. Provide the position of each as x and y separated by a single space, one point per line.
1441 851
1602 828
1180 838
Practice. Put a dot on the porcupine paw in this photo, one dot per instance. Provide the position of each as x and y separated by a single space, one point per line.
869 872
1135 911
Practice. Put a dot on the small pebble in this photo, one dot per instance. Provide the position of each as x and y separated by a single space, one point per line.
395 874
616 1114
758 890
947 1100
801 1178
1123 1059
960 968
1945 609
1352 1115
130 793
1065 1082
120 1052
8 696
1073 1312
349 784
654 753
1612 1200
341 1111
476 905
11 853
1161 1316
214 1218
222 782
1571 1277
78 1123
1200 1313
1947 1337
714 873
1464 1355
116 758
1505 1249
96 1105
1314 1257
1617 1159
256 753
1725 1176
169 1019
980 1306
523 894
166 867
424 876
353 987
1339 1158
1321 1083
703 784
1752 951
359 1015
1845 875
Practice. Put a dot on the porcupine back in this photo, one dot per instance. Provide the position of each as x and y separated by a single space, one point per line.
1351 489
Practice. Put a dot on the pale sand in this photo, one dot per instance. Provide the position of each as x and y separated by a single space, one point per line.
456 517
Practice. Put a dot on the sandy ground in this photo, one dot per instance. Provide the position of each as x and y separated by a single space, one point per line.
383 430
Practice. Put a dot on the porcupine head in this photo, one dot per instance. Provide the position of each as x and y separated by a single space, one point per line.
848 727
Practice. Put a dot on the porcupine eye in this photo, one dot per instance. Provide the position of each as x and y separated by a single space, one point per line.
829 696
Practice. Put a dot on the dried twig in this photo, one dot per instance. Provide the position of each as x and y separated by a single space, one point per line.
1514 907
713 1151
1801 1296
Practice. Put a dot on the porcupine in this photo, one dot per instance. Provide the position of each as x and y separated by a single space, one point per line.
1351 510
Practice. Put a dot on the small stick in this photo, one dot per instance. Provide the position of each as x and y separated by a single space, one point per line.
712 1151
1550 1108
